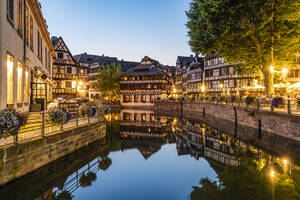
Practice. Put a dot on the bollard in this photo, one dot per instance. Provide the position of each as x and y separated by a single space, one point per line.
289 107
257 104
203 112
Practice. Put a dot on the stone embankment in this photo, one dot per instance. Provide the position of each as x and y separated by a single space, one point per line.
21 159
284 125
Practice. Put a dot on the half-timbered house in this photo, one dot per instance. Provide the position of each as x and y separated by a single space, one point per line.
65 71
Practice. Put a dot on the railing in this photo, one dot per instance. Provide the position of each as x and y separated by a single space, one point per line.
289 106
39 125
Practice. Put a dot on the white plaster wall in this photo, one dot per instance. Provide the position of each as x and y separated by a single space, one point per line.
12 43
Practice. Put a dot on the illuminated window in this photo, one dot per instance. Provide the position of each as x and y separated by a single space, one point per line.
31 32
82 71
125 78
144 98
136 117
20 84
20 16
26 24
152 97
143 117
152 118
136 98
10 80
26 87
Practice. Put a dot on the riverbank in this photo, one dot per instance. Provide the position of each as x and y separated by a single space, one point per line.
279 124
21 159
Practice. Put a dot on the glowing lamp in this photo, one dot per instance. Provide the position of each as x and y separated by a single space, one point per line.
272 69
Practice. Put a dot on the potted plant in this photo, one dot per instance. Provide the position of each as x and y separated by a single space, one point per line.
59 115
11 122
277 102
249 100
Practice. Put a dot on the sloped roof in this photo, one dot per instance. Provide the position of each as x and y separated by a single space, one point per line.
145 69
90 58
185 60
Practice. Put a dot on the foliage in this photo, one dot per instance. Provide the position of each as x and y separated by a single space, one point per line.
251 33
247 181
59 115
277 101
104 163
108 81
11 122
222 98
233 99
104 108
86 180
64 195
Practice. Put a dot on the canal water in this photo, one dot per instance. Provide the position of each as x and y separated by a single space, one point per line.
154 157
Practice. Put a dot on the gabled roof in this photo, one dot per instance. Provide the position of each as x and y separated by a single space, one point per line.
90 58
184 60
60 45
147 66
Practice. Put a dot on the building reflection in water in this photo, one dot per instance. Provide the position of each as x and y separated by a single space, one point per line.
142 130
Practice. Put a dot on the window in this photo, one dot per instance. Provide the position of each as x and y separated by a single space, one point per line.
10 80
10 9
68 84
26 86
152 97
39 44
20 84
152 118
216 72
82 71
127 98
144 98
136 117
20 16
60 55
127 117
136 98
26 26
69 70
143 117
231 70
31 32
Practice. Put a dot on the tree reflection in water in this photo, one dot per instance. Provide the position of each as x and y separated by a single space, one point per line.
249 180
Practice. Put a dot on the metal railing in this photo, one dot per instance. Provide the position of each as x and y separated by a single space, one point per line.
289 106
39 125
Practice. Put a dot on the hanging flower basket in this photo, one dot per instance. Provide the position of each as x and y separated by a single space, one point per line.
87 110
11 122
87 179
277 102
59 115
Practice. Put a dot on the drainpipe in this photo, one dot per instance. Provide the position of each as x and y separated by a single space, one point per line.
24 37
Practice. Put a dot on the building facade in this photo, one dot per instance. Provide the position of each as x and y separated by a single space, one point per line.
143 84
65 71
195 78
182 64
221 77
26 54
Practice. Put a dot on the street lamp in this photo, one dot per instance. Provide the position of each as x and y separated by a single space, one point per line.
271 69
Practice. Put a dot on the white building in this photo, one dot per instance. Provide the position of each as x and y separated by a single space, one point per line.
25 55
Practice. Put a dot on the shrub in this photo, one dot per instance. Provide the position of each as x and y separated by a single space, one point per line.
213 98
277 102
222 98
59 115
207 98
249 100
11 122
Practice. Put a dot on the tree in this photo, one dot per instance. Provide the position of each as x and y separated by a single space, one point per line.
108 81
255 34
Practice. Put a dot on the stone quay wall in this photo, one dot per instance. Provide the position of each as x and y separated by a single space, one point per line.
21 159
284 125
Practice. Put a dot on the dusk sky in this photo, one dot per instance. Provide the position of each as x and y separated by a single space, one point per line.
127 29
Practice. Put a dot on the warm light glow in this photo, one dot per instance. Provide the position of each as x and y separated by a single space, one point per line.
80 83
272 174
288 83
221 85
20 84
26 87
174 90
285 162
284 70
272 69
73 84
10 80
202 88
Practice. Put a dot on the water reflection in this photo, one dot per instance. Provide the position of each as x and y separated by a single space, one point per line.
244 171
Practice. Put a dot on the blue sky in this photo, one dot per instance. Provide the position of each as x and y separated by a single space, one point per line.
127 29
